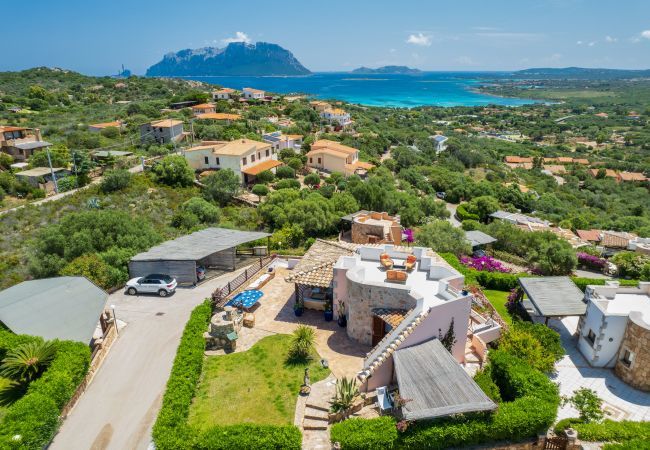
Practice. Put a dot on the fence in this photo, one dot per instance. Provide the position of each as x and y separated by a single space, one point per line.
220 295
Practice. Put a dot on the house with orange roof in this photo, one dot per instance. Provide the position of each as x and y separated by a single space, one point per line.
581 161
555 168
518 159
254 94
222 94
203 108
245 157
98 127
592 236
609 173
632 176
227 117
21 142
320 106
331 156
602 114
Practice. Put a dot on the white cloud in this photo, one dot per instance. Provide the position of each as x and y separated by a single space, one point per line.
240 36
610 39
645 34
591 44
579 43
419 39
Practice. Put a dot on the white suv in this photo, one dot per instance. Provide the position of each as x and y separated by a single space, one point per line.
163 285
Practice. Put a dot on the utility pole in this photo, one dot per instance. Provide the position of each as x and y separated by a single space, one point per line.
49 161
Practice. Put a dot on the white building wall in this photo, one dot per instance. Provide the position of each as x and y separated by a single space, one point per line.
609 331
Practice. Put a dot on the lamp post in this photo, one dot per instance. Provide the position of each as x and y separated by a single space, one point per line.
117 330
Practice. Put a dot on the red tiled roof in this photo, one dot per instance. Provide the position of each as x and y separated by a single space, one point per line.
589 235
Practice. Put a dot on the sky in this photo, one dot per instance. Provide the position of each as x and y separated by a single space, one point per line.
95 38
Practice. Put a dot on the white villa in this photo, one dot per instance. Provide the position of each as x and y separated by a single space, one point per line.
440 142
245 157
250 93
222 94
336 115
281 141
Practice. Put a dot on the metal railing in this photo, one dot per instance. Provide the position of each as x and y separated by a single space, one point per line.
220 295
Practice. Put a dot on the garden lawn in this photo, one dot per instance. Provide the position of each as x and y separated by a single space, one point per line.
4 382
256 386
498 300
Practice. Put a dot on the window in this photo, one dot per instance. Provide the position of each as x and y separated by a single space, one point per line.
267 152
217 158
252 158
627 358
318 160
243 161
207 161
311 160
591 337
259 155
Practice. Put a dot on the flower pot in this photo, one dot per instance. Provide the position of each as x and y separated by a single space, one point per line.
343 321
329 316
298 311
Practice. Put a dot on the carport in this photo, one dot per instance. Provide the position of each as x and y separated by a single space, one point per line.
554 296
213 248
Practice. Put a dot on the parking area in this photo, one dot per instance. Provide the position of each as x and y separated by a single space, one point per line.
120 406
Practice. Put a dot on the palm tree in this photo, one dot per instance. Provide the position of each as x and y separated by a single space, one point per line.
27 361
302 343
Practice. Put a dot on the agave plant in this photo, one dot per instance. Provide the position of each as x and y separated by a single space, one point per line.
27 361
302 343
346 393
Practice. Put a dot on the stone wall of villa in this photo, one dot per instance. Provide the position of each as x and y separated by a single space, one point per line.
636 340
361 233
363 298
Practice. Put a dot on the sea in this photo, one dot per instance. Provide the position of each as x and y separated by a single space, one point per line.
401 91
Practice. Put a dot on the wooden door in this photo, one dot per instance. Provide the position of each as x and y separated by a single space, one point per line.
378 330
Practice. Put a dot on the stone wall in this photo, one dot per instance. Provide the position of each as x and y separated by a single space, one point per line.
363 298
636 340
361 233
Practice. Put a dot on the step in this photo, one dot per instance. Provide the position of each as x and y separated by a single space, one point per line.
319 407
317 414
311 424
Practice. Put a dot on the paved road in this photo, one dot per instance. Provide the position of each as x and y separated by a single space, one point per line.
55 197
451 207
121 404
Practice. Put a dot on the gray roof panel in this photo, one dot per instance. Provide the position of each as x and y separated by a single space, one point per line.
199 245
66 308
476 237
435 384
33 145
554 296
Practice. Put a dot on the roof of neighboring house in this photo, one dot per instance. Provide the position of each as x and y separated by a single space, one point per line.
255 91
519 218
476 238
39 171
198 245
350 217
435 384
616 239
66 308
359 165
166 123
218 116
440 138
327 151
315 267
582 161
568 236
554 296
333 148
224 91
238 147
32 145
10 128
564 159
518 159
589 235
632 176
261 167
107 153
555 168
608 173
114 124
202 106
335 111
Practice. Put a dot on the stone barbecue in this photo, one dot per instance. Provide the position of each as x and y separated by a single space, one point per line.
224 329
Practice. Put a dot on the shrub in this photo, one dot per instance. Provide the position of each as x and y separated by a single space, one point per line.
287 184
634 444
563 424
609 430
591 261
588 404
362 434
115 180
487 385
248 436
550 339
26 362
302 342
174 171
285 172
462 214
484 264
524 345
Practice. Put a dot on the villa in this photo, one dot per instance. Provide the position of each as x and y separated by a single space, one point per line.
245 157
440 142
369 227
20 142
254 94
319 105
529 222
227 117
615 331
280 141
330 156
336 115
222 94
162 131
203 108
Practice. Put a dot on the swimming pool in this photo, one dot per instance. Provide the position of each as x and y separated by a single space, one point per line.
246 299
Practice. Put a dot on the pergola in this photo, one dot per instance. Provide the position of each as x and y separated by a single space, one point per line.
554 296
320 276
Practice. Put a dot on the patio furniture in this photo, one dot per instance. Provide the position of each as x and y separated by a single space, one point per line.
409 264
386 261
249 320
384 400
396 276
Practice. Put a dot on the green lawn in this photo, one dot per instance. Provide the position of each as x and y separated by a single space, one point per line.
4 382
498 300
255 386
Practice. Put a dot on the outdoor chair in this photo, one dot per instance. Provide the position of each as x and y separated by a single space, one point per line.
396 276
410 262
384 401
386 261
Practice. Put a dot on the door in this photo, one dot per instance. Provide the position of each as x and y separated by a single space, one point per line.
378 330
149 285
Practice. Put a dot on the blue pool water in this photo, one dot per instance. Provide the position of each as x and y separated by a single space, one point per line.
428 88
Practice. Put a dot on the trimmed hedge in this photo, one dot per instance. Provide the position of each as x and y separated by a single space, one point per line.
363 434
171 430
487 385
582 283
611 431
35 416
462 213
634 444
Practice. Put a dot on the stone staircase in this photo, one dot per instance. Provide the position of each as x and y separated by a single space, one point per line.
312 415
315 417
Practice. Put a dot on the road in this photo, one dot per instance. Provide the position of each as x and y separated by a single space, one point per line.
451 207
56 197
121 404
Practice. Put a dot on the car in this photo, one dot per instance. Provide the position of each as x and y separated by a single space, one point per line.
154 283
479 253
200 273
441 195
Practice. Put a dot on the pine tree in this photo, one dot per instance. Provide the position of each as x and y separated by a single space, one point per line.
449 339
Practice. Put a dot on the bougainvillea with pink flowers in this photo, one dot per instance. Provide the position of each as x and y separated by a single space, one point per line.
484 264
591 261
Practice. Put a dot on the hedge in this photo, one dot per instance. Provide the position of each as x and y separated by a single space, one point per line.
35 416
462 213
634 444
611 431
582 283
171 430
363 434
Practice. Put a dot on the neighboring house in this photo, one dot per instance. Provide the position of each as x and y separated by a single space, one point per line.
615 241
440 142
640 245
222 94
162 131
479 240
368 227
621 176
320 106
98 127
281 141
41 177
245 157
615 331
66 308
330 156
203 108
336 115
532 223
20 142
227 117
255 94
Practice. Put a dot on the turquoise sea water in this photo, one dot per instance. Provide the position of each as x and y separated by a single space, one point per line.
428 88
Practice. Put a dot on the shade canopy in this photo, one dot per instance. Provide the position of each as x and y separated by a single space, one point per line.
476 238
66 308
435 384
554 296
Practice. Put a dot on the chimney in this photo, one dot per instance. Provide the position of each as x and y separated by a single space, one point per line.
37 133
396 234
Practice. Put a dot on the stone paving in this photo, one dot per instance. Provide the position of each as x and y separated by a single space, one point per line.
620 400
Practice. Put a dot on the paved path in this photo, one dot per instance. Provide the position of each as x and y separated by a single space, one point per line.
451 207
121 404
55 197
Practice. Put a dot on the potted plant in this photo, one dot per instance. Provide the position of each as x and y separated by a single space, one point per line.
342 319
329 314
298 309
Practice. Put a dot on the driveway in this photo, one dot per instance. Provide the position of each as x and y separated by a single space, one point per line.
121 404
451 207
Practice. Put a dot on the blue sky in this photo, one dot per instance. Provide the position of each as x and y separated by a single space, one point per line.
96 37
